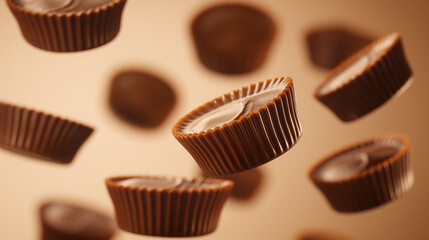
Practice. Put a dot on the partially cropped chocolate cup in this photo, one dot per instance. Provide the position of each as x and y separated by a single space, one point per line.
64 221
40 135
232 38
320 235
166 206
365 175
367 79
242 129
68 25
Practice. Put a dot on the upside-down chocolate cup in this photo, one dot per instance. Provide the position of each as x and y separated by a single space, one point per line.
232 38
65 221
367 79
169 207
68 25
365 175
242 129
40 135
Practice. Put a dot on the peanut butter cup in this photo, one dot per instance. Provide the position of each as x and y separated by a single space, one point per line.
64 221
167 206
40 135
242 129
367 79
365 175
232 38
68 25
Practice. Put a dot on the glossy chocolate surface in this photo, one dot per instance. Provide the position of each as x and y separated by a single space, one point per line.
60 5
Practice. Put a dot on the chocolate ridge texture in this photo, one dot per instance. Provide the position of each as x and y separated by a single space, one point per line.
168 212
40 135
69 31
383 180
379 81
251 140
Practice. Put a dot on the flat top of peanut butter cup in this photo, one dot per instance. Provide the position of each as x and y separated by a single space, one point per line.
170 183
353 162
225 109
60 5
351 68
75 220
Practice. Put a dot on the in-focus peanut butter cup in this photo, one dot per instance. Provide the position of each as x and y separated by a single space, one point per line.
232 38
167 206
242 129
40 135
65 221
365 175
367 79
68 25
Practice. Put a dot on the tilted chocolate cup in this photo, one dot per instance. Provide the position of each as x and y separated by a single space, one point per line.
367 79
244 128
169 207
40 135
365 175
49 28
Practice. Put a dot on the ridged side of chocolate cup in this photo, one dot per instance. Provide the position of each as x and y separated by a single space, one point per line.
372 187
69 31
168 213
370 89
251 141
40 135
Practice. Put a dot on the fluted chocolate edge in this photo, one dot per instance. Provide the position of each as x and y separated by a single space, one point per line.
370 89
371 187
169 213
69 31
40 135
251 141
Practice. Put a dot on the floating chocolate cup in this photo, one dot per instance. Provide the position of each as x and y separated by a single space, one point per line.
242 129
320 235
74 26
64 221
40 135
367 79
366 174
232 38
169 207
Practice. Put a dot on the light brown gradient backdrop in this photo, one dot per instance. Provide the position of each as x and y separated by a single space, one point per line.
155 36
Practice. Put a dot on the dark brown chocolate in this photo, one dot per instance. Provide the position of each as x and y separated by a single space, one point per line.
321 235
330 46
64 221
43 6
232 38
141 99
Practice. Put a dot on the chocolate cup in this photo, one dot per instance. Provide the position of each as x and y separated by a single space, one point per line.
231 49
368 90
69 31
168 212
99 232
381 181
251 141
40 135
320 235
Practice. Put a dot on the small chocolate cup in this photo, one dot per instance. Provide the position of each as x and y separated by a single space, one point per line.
69 31
381 72
321 235
232 38
168 211
365 175
65 221
247 142
40 135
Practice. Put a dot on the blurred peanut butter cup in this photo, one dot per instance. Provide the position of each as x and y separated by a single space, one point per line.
232 38
365 175
68 25
242 129
40 135
367 79
65 221
166 206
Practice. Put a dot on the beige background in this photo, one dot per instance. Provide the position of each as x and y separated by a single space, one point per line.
155 36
